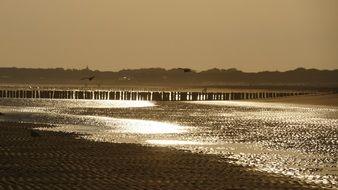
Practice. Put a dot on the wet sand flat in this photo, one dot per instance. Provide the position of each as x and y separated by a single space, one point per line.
63 161
316 99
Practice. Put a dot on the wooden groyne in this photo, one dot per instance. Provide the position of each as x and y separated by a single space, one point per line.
141 95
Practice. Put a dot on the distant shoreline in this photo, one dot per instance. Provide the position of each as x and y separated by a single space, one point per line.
178 77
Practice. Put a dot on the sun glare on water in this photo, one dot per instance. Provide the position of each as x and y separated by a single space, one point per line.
147 127
173 142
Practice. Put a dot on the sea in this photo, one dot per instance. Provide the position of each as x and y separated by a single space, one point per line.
300 141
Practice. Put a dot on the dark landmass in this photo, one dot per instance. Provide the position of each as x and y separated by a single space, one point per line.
172 77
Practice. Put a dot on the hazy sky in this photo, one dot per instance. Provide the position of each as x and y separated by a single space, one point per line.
250 35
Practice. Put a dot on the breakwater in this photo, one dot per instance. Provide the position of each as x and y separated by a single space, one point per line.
141 95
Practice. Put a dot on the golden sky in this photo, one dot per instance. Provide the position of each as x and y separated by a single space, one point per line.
250 35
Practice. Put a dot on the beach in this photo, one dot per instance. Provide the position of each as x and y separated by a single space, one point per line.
169 95
281 143
55 160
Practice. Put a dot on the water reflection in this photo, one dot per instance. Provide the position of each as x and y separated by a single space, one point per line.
147 127
115 104
53 103
300 141
174 142
253 104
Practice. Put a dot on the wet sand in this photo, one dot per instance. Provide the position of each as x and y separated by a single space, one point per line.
315 99
63 161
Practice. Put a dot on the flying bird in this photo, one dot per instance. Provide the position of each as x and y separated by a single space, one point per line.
88 78
186 70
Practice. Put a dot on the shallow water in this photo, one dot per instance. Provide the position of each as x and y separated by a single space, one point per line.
294 140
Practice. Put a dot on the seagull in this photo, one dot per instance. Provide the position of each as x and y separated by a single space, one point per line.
186 70
88 78
35 134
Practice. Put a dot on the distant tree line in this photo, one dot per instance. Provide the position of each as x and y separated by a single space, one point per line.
178 76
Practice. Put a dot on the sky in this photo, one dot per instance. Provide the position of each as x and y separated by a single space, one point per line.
110 35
